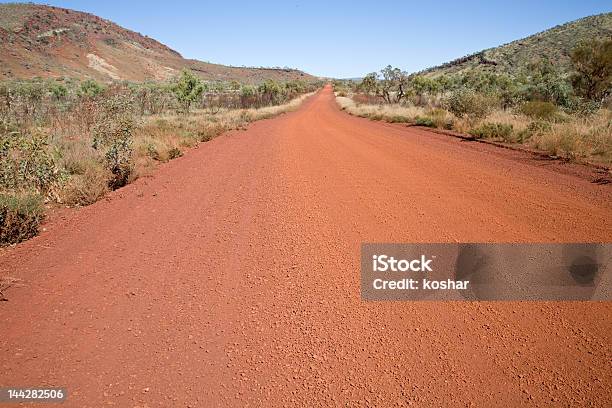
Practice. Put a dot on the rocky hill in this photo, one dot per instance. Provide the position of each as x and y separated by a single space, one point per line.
44 41
555 44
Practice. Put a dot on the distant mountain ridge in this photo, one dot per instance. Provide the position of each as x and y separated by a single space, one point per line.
555 44
45 41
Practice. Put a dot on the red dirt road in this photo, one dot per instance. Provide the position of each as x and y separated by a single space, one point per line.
231 278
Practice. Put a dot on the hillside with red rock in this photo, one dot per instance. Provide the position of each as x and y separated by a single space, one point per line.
44 41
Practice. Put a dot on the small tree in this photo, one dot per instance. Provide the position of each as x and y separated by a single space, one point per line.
423 85
546 83
369 83
393 84
187 89
113 135
593 64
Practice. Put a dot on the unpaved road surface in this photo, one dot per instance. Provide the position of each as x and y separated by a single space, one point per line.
231 278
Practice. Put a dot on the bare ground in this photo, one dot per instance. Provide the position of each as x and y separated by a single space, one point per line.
231 278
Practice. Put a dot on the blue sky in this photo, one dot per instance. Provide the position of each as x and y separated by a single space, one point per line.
336 38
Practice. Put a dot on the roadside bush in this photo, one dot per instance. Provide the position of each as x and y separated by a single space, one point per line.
152 152
70 142
600 138
86 188
26 161
441 119
467 103
563 142
113 133
398 119
493 131
539 110
20 216
424 121
208 133
174 152
539 127
533 129
119 161
248 91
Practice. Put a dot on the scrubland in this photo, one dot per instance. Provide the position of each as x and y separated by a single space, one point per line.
68 142
586 138
565 114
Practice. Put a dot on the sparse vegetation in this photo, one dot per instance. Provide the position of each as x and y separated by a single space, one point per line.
566 115
43 41
593 69
468 103
69 142
514 58
20 216
500 131
539 110
188 89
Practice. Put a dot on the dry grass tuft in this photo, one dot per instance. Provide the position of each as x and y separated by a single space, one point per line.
569 136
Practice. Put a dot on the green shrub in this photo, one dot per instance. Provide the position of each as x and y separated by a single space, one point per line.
493 131
119 161
534 128
398 119
20 216
27 161
174 152
248 91
58 91
467 103
592 63
539 127
112 132
86 188
90 88
152 152
271 91
440 118
539 110
210 132
187 89
424 121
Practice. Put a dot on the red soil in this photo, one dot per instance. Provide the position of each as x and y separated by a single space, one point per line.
231 278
